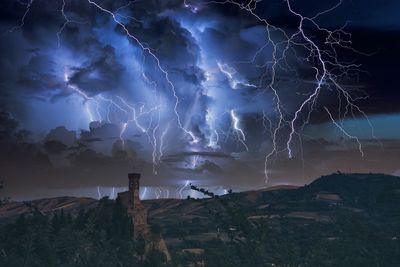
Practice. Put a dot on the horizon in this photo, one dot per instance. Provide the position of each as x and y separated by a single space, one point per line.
182 192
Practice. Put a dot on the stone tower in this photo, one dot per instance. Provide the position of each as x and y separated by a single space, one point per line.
136 210
134 179
138 214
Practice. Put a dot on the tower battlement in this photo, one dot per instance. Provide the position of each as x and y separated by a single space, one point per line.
134 186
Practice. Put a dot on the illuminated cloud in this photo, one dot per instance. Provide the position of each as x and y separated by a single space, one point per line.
184 88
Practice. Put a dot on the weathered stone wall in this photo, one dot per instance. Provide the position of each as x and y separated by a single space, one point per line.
138 213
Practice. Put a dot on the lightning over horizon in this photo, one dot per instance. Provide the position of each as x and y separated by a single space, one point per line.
216 92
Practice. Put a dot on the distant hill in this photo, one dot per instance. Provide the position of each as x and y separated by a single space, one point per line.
355 189
10 211
323 211
337 220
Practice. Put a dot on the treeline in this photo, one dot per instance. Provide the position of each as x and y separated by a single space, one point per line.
98 237
205 192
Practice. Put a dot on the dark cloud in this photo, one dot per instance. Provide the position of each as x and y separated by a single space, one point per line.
54 147
102 73
62 135
192 74
204 167
209 166
99 105
100 130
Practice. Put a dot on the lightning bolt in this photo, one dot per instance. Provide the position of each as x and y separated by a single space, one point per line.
66 22
158 192
162 142
112 195
321 56
134 115
214 139
98 193
180 190
325 66
85 96
230 72
240 133
143 193
146 49
166 193
345 132
22 23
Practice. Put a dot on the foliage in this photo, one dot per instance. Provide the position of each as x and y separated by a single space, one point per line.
97 237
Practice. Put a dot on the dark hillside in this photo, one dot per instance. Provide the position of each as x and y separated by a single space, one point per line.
337 220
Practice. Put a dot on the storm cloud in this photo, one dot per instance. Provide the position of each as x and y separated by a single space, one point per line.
190 91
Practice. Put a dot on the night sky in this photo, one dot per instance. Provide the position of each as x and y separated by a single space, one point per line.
221 94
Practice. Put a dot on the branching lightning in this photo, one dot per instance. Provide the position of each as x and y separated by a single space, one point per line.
345 132
145 48
67 20
280 123
324 62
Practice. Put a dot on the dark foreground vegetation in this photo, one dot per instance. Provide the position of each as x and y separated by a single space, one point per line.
98 237
357 224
